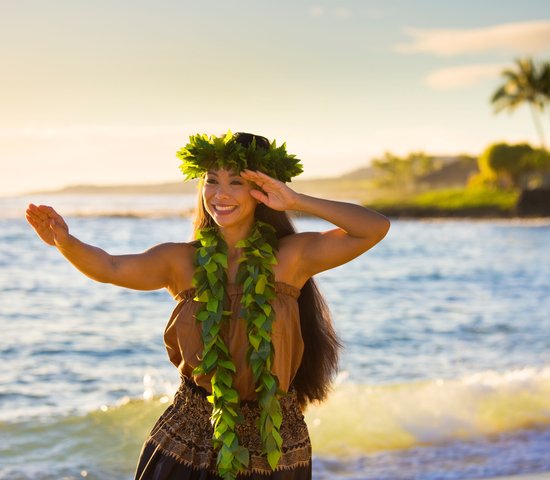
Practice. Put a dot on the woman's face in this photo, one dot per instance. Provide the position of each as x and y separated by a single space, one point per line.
226 197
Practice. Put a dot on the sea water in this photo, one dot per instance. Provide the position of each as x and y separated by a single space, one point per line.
445 372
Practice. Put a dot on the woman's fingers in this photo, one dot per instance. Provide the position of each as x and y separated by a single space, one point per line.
32 220
44 213
49 211
47 223
260 196
35 212
41 212
249 172
275 194
262 180
256 176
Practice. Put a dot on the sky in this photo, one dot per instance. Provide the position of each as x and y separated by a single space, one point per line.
106 92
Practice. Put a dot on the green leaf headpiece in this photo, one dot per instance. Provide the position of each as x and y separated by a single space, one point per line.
204 153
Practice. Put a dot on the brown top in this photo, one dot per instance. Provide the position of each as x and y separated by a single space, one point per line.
183 341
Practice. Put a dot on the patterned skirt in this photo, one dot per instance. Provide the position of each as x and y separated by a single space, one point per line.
180 443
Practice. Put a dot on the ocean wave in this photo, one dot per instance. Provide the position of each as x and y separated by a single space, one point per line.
357 421
366 418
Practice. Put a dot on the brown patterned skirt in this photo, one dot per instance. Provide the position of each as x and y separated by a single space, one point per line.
180 443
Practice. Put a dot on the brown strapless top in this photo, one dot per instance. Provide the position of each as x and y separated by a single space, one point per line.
182 338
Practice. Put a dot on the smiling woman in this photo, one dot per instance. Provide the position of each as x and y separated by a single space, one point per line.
250 335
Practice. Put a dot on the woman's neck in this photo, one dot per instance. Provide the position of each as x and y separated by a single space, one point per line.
233 235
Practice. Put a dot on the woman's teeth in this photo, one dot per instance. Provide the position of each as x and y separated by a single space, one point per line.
224 208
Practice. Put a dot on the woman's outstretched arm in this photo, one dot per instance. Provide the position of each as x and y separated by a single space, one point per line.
149 270
359 228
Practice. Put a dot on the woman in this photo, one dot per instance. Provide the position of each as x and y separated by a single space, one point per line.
250 334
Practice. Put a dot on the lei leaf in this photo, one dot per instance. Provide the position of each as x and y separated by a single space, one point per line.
210 279
262 244
255 272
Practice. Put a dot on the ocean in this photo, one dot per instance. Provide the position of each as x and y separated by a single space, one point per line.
445 372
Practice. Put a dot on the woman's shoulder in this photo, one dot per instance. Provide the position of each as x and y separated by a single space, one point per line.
174 251
295 241
181 255
288 268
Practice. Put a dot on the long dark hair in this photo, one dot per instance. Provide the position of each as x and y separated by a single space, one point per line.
321 344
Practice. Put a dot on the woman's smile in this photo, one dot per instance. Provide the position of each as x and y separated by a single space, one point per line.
222 209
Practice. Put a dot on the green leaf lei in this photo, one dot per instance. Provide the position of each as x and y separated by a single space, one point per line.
255 273
203 153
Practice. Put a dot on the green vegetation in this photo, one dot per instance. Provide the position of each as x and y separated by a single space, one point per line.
512 166
452 202
392 171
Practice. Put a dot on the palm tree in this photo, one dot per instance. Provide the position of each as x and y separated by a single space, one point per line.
523 85
544 81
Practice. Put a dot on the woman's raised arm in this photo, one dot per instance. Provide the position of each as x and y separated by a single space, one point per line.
150 270
359 228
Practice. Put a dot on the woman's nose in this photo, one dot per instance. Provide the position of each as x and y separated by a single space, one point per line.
221 192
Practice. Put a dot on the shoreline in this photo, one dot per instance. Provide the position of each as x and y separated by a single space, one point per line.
467 214
521 476
406 211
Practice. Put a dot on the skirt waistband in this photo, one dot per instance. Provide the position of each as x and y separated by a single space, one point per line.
191 385
188 385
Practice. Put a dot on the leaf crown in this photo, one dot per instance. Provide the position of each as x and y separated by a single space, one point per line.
204 153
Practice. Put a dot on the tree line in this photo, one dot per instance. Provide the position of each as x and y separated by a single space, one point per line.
500 165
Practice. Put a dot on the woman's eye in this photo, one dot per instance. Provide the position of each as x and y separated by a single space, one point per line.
213 181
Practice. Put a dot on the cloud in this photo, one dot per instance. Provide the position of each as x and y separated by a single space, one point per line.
320 11
531 37
342 12
373 14
316 10
463 76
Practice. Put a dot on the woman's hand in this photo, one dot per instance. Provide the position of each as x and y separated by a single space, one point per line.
276 194
48 224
